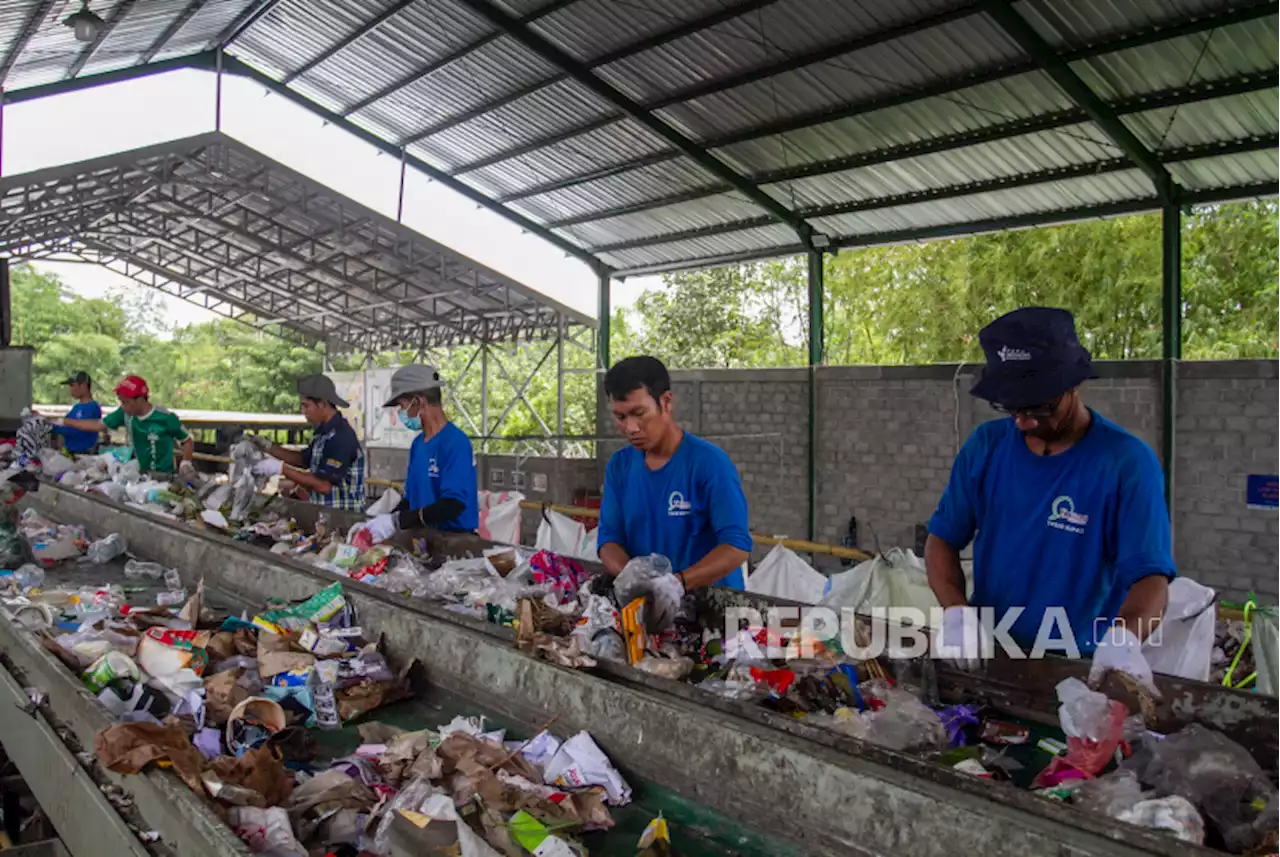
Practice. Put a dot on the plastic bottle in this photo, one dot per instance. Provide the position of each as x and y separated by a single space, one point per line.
171 598
29 576
172 580
134 570
106 549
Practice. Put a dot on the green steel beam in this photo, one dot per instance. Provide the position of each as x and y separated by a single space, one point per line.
552 54
170 31
114 17
817 343
202 61
234 66
24 37
1026 37
1171 336
604 318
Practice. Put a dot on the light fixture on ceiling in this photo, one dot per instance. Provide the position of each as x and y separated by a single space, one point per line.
85 24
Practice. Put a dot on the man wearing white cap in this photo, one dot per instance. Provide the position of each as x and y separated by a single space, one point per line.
440 487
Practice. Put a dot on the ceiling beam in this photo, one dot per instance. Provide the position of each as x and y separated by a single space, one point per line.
449 59
990 74
235 66
179 21
1000 183
1174 97
663 37
557 57
113 19
348 40
29 28
252 14
1059 69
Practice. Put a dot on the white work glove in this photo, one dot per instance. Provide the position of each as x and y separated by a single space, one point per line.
962 639
268 467
1121 650
187 470
662 591
263 444
381 528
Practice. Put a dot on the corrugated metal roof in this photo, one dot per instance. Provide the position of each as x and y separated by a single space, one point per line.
928 107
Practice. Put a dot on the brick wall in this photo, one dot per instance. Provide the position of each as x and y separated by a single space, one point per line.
887 437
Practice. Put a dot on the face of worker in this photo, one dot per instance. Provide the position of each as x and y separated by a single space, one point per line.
135 407
78 391
642 419
315 412
1049 421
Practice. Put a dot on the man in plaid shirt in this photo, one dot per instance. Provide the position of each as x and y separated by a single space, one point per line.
330 471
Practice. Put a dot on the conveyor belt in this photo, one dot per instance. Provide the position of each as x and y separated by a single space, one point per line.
819 792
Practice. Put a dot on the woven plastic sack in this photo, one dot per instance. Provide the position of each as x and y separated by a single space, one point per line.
783 574
500 516
1264 643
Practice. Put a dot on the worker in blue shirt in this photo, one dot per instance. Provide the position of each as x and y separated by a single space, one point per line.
668 493
1064 508
440 487
73 439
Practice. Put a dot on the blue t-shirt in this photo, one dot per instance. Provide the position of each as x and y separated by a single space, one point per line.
444 466
1074 530
79 440
683 510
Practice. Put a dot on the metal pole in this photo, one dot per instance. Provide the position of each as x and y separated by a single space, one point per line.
1171 334
816 347
484 396
602 322
400 198
560 386
2 100
217 92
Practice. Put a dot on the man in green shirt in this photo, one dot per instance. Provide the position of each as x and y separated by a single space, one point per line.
151 431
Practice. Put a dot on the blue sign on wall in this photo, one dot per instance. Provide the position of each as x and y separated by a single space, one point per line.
1263 492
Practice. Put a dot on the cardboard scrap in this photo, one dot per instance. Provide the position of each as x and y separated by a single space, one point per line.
257 770
222 693
127 748
328 790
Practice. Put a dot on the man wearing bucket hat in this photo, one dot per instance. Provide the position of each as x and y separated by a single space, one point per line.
330 471
151 431
440 488
1064 508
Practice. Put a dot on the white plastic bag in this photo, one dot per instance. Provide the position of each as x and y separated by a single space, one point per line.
385 504
783 574
500 516
580 763
54 463
265 831
560 534
591 546
1183 644
1082 713
896 578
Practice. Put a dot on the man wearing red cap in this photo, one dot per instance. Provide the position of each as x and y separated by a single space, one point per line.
151 431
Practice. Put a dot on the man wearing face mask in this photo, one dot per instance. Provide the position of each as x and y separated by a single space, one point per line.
1065 509
440 488
669 493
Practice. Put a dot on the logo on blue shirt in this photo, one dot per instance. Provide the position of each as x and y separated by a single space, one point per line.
1063 515
677 506
433 469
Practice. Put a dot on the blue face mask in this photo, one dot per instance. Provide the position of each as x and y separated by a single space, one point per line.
411 423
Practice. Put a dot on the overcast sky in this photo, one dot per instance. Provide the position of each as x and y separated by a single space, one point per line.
107 119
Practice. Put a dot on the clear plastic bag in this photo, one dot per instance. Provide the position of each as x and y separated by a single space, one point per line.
1218 776
636 571
1083 713
1174 814
138 570
1109 795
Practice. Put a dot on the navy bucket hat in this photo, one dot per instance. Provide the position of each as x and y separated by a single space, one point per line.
1033 356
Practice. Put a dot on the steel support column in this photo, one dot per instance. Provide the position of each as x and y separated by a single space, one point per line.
816 344
604 312
560 334
1171 336
484 396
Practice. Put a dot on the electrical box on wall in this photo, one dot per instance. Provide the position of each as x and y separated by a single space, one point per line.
517 479
495 477
540 483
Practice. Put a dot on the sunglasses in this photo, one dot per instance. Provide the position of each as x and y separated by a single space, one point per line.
1041 411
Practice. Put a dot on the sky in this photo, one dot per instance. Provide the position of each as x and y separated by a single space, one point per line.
90 123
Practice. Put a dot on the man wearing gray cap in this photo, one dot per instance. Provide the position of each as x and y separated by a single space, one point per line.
440 488
330 471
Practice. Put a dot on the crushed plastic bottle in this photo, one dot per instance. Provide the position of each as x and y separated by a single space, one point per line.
172 580
136 570
29 576
106 549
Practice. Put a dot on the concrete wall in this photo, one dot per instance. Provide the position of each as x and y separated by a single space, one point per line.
887 437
